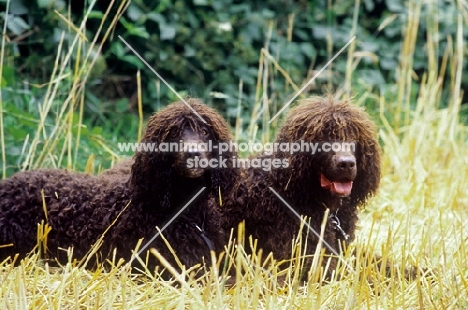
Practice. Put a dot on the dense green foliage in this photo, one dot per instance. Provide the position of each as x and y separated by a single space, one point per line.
212 49
205 46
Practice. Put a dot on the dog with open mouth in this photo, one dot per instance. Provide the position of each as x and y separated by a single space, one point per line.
339 173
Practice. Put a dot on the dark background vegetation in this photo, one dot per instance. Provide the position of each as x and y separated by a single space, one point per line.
205 48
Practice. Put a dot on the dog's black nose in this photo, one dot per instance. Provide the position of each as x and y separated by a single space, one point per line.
194 153
346 162
193 148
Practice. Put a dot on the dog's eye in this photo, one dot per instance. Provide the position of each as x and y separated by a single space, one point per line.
205 132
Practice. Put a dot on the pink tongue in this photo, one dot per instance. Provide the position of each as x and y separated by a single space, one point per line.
340 188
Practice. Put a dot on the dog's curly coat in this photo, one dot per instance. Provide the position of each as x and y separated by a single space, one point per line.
305 184
80 207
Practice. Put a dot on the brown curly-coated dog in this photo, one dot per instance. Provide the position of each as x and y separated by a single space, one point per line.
121 170
80 207
339 180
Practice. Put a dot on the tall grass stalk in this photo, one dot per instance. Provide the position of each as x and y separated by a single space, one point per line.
351 51
76 85
2 54
140 107
405 70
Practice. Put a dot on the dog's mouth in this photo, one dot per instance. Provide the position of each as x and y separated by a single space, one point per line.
191 172
341 188
194 172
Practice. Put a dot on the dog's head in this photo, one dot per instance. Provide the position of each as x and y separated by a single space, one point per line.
189 150
343 159
183 142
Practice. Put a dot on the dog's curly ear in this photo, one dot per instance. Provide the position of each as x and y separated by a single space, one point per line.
368 170
223 177
150 180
